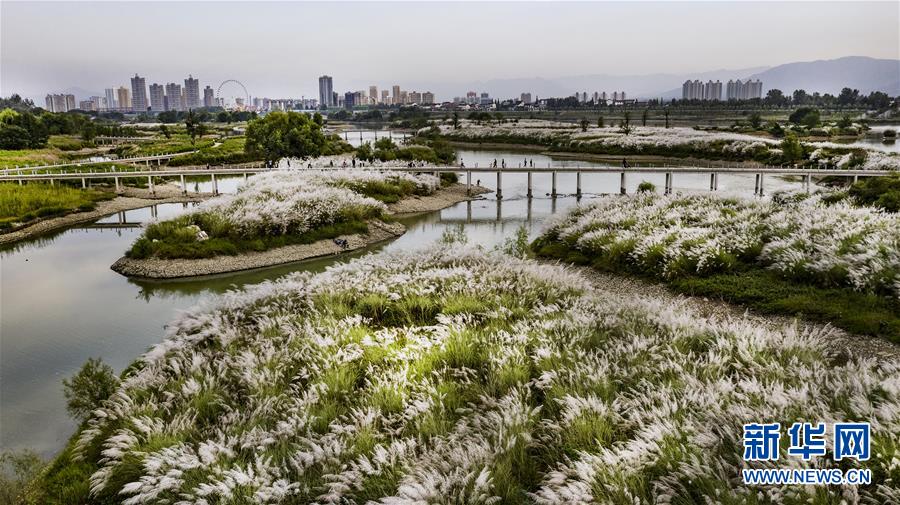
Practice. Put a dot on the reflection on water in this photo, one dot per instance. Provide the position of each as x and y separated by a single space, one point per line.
61 304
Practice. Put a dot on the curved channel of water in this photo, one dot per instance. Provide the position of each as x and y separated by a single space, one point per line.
61 304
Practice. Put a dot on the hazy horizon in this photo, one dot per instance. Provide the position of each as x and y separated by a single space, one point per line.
279 49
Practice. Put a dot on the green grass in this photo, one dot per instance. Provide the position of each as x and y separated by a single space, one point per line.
230 151
767 292
172 239
21 204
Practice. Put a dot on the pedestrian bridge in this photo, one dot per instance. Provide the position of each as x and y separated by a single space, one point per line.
213 173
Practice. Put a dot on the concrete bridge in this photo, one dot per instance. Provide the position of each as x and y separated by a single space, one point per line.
146 160
670 173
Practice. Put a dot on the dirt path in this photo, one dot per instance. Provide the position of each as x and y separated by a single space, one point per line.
841 342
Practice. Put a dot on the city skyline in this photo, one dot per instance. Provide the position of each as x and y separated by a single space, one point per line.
34 65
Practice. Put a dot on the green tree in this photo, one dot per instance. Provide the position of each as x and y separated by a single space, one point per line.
164 130
287 134
584 124
791 149
845 121
799 97
848 97
600 122
755 120
87 389
806 116
644 115
666 113
775 97
192 125
455 120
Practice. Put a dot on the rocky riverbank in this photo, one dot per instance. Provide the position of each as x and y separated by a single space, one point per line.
155 268
129 199
441 199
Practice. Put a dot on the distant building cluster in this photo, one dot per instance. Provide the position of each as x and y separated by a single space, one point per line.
330 98
712 91
602 98
737 90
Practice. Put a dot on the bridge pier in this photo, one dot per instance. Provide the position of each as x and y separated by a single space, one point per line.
622 189
553 186
530 192
215 185
855 179
807 179
183 186
668 186
118 188
578 184
762 181
468 182
714 181
83 183
150 184
499 184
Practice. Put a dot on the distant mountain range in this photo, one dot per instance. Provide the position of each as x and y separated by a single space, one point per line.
825 76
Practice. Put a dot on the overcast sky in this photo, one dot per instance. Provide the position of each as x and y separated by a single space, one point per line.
279 49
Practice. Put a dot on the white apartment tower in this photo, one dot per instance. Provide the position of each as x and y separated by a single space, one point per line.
192 93
157 97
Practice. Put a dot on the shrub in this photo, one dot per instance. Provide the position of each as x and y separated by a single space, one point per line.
87 389
646 187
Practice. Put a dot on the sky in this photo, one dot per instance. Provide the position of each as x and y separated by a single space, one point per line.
279 49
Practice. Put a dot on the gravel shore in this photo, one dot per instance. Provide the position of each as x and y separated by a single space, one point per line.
839 341
155 268
131 198
441 199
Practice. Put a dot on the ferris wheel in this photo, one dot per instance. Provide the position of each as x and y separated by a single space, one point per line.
229 83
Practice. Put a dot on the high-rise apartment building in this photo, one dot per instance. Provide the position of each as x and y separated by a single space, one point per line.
385 97
123 98
737 90
395 95
110 98
326 91
173 96
415 97
209 97
157 97
138 94
60 102
373 95
428 98
192 93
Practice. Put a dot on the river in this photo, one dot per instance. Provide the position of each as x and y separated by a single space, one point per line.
60 304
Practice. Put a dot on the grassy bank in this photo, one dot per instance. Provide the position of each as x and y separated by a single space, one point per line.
762 290
21 204
459 376
278 209
817 256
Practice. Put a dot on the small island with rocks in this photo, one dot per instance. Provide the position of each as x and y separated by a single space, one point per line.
284 217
